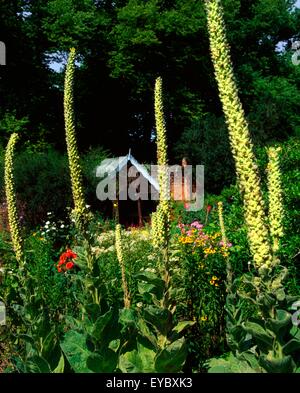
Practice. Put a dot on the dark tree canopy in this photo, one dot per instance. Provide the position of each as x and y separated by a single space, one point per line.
123 46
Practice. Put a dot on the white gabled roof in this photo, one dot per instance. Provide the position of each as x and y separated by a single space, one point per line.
111 166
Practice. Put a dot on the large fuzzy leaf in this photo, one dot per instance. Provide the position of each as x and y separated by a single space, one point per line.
75 349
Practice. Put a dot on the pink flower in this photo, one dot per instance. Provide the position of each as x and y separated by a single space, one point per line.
196 224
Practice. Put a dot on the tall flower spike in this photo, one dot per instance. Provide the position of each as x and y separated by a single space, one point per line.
11 197
241 145
221 221
276 210
163 210
79 211
119 248
225 242
154 237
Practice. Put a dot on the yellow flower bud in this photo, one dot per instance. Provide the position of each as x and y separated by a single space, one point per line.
10 193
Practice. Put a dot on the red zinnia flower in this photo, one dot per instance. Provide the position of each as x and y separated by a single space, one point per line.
70 254
69 265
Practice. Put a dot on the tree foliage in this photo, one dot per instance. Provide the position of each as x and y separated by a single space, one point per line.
123 46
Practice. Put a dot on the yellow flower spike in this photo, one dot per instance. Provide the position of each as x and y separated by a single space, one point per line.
119 249
154 231
79 213
163 210
276 210
10 194
221 221
239 136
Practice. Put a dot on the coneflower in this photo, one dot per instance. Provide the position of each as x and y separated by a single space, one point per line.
10 192
241 145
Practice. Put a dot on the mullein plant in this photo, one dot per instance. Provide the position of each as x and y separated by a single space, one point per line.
225 244
79 212
221 222
162 217
274 344
13 218
241 144
276 211
120 256
162 220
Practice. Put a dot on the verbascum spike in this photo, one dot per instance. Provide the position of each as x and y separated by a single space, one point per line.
241 145
119 249
154 238
221 221
163 213
79 213
276 210
10 192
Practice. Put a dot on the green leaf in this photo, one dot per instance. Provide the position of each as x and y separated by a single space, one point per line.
182 325
48 344
61 365
27 339
140 360
251 360
172 358
103 363
75 349
114 345
295 332
259 333
282 320
37 364
280 294
145 332
282 365
156 286
93 311
127 317
160 318
292 346
145 287
229 365
101 324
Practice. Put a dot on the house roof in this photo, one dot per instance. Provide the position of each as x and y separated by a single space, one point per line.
111 166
